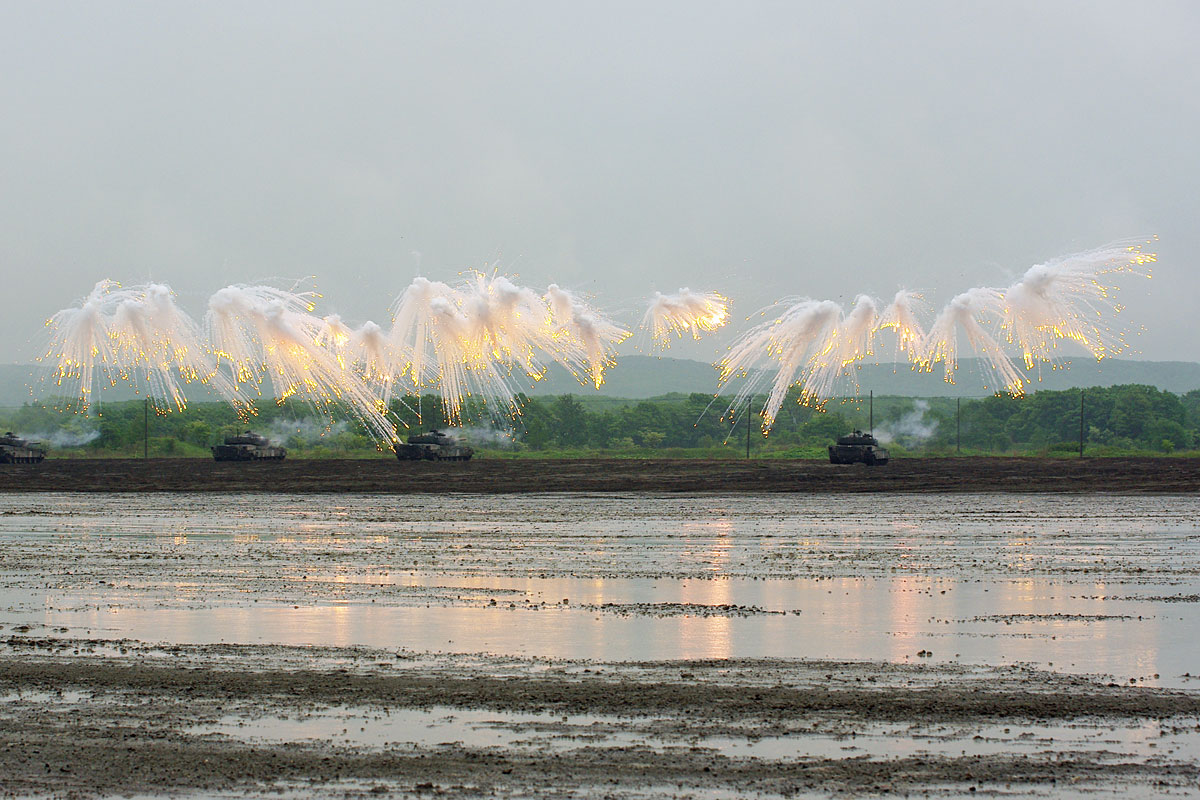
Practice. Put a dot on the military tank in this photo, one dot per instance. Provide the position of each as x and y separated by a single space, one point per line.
248 446
15 450
857 448
433 446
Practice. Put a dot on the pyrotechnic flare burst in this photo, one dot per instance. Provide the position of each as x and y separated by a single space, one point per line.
415 333
847 345
467 340
792 342
454 340
137 335
509 323
80 342
1071 298
971 314
585 340
336 335
671 315
366 351
814 346
268 333
373 356
901 317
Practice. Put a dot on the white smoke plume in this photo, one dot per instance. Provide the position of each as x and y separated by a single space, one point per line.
468 340
480 339
903 318
267 334
911 429
817 346
485 437
64 437
289 432
137 335
670 316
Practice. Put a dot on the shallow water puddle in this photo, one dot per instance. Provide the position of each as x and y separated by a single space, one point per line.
1089 584
481 728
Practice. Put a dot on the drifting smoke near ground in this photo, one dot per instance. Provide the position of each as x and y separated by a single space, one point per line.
488 437
296 432
816 345
670 316
65 437
911 429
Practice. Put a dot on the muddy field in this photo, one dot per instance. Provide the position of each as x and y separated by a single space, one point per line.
386 475
626 646
120 718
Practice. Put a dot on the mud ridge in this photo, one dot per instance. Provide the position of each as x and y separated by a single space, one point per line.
500 476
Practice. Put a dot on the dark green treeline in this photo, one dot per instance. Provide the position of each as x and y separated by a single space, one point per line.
1116 420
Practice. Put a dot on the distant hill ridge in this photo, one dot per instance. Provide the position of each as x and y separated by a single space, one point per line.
645 376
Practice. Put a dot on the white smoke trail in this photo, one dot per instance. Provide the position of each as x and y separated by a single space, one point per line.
138 335
271 334
792 343
847 345
468 340
671 315
1070 298
911 429
584 340
902 318
971 314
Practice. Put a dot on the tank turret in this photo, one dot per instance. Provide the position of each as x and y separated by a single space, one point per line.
15 450
857 448
248 446
433 446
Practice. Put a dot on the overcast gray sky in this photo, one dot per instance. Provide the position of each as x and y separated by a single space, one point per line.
760 149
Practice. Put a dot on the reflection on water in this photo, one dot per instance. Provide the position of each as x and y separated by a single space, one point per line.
1088 584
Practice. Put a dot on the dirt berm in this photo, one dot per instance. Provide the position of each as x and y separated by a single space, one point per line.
386 475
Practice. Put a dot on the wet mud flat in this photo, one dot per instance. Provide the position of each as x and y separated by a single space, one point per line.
386 475
93 717
625 645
